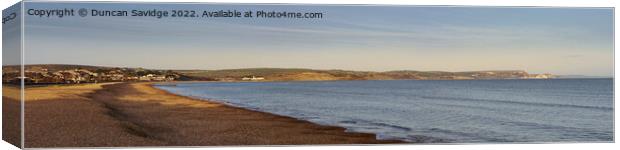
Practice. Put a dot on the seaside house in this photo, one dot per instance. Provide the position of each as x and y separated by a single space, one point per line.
132 78
70 76
158 78
154 77
86 76
146 77
171 77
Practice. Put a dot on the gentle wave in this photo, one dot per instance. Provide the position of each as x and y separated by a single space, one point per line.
517 102
434 111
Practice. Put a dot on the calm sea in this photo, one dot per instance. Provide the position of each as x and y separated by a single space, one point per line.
468 111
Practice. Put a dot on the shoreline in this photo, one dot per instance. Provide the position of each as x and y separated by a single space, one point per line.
268 113
268 81
138 114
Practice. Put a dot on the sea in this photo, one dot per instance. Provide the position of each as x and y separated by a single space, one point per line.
433 111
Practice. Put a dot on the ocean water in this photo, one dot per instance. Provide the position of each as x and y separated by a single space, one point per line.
461 111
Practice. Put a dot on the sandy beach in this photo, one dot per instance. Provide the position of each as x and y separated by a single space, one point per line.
137 114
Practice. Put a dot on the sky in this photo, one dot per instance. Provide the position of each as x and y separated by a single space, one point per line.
11 37
564 41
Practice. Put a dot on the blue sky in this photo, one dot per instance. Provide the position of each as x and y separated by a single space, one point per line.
11 35
369 38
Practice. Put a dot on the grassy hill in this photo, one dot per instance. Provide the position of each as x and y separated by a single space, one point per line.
52 67
282 74
295 74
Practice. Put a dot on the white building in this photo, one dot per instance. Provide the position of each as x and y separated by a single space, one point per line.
253 78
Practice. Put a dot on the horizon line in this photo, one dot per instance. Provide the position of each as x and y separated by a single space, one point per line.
605 76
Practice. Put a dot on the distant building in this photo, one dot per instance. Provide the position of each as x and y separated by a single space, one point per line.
146 77
153 77
253 78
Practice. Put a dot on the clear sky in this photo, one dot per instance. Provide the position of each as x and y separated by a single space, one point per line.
567 41
11 35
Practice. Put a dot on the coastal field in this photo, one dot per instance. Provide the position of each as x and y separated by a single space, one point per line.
136 114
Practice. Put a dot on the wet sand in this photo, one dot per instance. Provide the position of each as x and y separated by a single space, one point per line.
136 114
